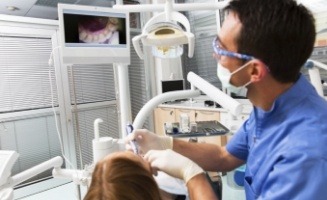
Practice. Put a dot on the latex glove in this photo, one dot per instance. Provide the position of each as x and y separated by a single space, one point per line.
173 163
147 140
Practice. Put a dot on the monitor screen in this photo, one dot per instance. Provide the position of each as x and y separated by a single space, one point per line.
172 85
93 35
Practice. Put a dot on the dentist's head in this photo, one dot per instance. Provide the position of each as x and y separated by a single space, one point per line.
256 44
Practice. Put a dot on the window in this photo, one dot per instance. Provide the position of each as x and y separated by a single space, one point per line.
204 27
27 120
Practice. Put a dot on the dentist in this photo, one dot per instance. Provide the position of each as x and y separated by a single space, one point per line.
260 50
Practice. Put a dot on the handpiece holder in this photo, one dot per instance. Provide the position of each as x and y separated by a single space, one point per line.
103 146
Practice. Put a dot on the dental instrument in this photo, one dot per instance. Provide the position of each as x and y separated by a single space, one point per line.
129 130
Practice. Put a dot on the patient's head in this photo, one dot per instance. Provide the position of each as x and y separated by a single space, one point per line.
122 176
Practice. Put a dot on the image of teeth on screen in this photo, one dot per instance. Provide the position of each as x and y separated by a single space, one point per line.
98 30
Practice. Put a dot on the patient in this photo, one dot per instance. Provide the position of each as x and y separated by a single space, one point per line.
124 176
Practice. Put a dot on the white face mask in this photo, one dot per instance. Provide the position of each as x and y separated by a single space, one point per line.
225 75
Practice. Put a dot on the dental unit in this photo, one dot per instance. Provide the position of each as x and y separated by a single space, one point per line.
166 38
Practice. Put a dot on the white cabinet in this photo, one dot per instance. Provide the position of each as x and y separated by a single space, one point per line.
203 115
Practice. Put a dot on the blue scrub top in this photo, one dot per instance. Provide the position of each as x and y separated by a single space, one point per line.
285 148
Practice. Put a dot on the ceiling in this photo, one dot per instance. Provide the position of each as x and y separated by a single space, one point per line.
47 9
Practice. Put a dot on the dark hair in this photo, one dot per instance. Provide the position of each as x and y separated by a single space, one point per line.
280 33
122 179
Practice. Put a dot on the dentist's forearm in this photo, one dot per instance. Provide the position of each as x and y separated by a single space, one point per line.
208 156
199 188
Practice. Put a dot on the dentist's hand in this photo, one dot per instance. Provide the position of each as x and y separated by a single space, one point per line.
173 164
147 140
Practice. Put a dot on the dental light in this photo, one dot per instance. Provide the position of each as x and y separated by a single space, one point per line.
165 36
162 31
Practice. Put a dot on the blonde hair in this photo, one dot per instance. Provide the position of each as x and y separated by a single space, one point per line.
121 178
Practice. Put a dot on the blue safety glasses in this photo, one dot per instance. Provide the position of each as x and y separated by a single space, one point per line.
222 52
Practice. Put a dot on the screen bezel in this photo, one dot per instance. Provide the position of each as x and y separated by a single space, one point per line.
88 53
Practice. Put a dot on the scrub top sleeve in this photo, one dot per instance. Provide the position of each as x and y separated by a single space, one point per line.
238 145
296 176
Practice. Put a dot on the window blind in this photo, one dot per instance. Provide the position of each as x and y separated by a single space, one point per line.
204 27
36 141
109 128
24 74
25 86
89 85
92 83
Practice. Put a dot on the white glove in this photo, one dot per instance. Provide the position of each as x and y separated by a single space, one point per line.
173 164
147 140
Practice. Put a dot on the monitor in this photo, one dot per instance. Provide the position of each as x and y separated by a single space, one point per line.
93 35
172 85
